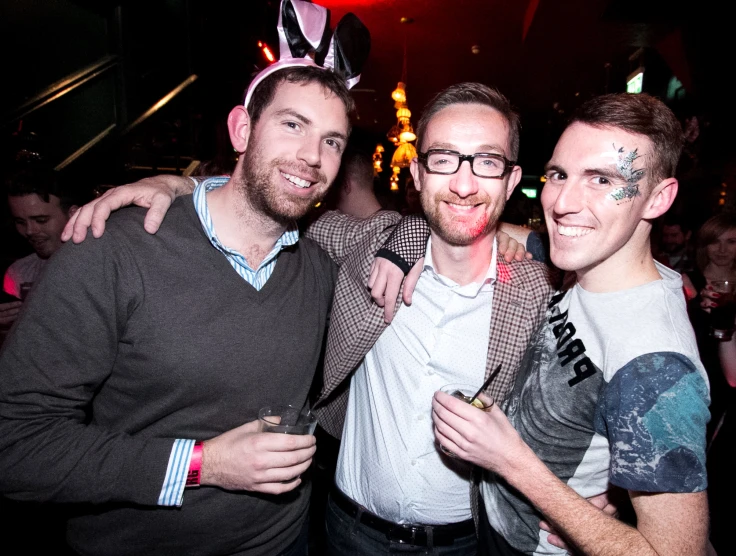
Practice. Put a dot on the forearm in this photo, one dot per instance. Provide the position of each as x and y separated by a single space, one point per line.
59 460
586 527
339 234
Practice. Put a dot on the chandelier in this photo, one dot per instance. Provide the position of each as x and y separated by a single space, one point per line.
402 133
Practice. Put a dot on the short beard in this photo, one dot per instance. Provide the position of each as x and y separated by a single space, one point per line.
256 183
452 232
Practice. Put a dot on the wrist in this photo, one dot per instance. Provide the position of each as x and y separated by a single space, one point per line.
194 475
522 466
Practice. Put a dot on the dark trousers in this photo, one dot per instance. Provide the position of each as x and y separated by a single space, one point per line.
490 543
348 537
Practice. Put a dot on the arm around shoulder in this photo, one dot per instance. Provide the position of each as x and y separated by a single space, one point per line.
339 234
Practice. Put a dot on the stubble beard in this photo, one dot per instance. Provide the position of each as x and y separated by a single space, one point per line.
257 182
459 233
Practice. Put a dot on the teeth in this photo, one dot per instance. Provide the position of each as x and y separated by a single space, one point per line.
571 231
297 181
461 207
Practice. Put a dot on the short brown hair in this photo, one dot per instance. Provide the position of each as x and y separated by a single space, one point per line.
266 89
643 115
710 231
42 181
473 93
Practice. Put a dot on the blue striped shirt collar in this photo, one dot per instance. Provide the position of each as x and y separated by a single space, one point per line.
256 277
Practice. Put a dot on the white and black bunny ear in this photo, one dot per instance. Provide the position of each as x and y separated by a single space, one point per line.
302 28
305 40
349 48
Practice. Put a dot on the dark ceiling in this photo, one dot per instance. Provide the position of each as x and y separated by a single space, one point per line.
547 56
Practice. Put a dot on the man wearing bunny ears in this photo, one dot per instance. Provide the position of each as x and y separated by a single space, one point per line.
135 348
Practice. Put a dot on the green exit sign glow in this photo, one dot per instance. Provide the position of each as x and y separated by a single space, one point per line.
636 80
529 192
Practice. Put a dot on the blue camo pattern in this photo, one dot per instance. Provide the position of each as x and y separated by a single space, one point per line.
654 413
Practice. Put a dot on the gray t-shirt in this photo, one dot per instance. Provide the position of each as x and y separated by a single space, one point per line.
611 390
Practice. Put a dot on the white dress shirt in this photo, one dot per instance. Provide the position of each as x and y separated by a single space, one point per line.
388 460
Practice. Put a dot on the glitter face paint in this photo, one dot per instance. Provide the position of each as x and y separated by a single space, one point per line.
625 167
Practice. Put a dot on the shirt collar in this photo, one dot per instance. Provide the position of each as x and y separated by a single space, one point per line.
468 290
289 237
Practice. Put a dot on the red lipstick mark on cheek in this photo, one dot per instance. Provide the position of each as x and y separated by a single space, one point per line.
478 226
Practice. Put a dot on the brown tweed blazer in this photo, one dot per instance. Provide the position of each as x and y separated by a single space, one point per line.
520 298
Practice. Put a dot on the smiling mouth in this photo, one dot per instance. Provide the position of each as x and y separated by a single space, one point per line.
299 182
573 231
465 208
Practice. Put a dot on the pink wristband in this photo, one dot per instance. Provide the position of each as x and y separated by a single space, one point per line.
195 466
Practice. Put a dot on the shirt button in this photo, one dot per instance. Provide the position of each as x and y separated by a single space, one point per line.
420 417
430 372
413 462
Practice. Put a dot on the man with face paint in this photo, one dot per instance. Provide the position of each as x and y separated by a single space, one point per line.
611 389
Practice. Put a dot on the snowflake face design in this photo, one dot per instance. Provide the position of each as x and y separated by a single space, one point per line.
625 167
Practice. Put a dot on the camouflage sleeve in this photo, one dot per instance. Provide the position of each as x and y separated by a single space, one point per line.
654 412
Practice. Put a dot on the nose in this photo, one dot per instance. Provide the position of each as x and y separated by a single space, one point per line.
569 198
30 228
463 182
309 151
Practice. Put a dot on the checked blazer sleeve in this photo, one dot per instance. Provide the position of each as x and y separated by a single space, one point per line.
341 235
355 321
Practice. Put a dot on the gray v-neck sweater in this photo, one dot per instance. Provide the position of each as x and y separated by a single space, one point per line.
133 340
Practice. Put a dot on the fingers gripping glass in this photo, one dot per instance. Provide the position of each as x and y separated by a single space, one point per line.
483 165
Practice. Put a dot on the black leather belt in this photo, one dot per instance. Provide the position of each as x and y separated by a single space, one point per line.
414 534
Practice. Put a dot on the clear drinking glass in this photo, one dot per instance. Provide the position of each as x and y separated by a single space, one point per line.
287 419
465 393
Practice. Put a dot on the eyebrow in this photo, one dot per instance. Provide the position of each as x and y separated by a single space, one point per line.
482 149
609 172
306 121
549 167
606 172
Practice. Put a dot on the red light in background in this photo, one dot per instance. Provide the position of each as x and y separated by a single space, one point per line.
268 54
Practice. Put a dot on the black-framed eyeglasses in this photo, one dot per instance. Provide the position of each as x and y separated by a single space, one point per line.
483 165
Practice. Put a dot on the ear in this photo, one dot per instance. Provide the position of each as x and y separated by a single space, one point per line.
514 179
414 170
72 209
688 235
661 198
238 124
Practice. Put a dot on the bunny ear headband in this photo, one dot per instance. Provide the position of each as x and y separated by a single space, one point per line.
305 40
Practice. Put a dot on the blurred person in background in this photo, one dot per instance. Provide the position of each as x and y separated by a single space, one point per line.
675 250
353 191
716 257
411 199
39 210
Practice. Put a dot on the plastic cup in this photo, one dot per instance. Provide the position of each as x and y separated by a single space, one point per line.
723 315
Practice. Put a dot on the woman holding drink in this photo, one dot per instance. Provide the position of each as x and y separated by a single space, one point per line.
713 314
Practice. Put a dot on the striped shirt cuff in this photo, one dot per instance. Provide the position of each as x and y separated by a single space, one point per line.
172 492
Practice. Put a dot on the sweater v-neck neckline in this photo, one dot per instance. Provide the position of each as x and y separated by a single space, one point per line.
258 296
